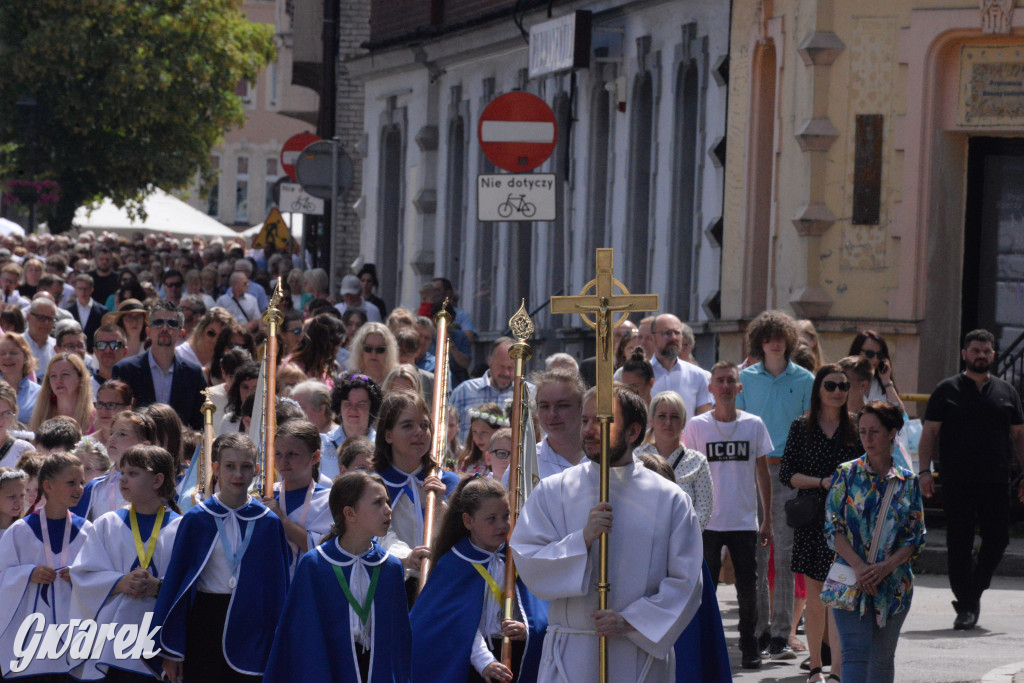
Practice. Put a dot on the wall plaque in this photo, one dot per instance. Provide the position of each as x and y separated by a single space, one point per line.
991 86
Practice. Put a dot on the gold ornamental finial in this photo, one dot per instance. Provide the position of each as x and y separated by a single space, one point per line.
208 403
521 324
275 299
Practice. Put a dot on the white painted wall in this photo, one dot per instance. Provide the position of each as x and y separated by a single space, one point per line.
396 78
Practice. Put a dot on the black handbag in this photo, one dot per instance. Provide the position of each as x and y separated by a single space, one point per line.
805 511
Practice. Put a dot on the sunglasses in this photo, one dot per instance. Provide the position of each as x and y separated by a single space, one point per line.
501 454
297 331
832 386
374 349
108 345
109 406
870 354
169 323
173 284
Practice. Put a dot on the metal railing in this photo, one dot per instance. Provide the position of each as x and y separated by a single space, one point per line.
1010 364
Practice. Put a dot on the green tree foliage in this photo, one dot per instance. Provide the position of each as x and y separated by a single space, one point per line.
131 93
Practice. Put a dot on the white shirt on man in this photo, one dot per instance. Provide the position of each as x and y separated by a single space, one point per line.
370 310
83 312
42 354
687 380
243 309
732 450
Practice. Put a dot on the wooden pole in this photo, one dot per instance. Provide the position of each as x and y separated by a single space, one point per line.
439 425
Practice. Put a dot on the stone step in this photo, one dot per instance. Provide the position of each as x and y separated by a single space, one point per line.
932 559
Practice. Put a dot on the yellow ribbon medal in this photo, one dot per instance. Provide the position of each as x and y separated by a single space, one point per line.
499 594
145 554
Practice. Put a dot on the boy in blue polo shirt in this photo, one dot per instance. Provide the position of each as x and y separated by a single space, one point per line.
778 391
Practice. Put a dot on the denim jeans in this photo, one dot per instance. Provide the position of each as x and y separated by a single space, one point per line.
868 651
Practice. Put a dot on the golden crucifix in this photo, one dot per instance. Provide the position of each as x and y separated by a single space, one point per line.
609 310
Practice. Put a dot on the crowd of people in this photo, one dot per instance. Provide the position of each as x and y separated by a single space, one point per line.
775 472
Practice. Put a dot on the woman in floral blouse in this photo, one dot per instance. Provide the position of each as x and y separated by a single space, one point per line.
870 613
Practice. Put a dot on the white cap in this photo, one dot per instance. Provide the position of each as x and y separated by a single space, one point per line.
350 284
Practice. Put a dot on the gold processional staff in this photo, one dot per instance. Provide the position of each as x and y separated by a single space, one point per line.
609 310
522 328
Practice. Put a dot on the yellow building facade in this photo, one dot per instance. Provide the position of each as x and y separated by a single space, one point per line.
875 174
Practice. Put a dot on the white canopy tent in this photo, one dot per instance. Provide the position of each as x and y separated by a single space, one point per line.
164 213
8 227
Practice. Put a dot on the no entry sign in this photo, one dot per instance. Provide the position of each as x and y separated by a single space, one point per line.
291 148
517 132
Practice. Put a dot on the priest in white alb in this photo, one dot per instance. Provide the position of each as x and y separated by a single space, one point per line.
655 557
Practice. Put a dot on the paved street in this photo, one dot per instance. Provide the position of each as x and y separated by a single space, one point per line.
930 651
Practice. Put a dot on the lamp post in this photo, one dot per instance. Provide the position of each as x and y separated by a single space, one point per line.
27 107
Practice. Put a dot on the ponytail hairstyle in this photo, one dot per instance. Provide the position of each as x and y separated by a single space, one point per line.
469 496
346 491
637 365
141 423
155 460
392 407
307 433
51 468
494 417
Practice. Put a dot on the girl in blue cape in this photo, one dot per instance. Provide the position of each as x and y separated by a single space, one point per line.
225 586
402 459
319 638
457 622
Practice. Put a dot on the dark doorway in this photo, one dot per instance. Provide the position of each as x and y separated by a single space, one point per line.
993 283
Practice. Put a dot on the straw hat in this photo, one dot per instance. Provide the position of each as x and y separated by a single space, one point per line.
124 308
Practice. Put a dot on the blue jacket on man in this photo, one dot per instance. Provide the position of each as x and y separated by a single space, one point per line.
187 382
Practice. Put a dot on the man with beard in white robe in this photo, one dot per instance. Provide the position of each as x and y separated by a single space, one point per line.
655 557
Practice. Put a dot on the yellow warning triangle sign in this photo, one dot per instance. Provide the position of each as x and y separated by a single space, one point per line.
275 233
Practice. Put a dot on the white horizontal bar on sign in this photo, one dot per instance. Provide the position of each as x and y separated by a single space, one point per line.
517 131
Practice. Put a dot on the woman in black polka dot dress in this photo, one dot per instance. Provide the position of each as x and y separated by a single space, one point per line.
818 442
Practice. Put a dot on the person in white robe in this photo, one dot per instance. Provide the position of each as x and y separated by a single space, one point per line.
655 557
108 555
22 551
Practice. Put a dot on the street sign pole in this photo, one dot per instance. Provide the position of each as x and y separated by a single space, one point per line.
334 206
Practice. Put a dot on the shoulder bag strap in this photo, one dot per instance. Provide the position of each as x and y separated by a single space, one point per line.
876 539
674 464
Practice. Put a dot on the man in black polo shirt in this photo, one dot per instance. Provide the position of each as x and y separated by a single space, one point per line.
977 422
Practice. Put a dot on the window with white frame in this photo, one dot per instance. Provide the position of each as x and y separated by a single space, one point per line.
242 190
